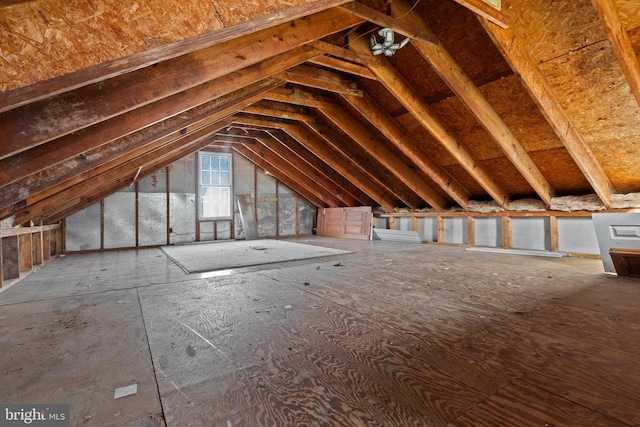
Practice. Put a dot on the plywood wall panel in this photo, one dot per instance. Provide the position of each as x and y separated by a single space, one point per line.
582 80
554 28
629 11
620 159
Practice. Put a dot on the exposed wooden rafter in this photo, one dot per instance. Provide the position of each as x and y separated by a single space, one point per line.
330 81
427 117
455 77
244 151
608 13
408 145
368 142
520 61
39 122
330 155
486 10
110 69
39 169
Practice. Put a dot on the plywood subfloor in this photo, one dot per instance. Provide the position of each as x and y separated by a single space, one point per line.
390 335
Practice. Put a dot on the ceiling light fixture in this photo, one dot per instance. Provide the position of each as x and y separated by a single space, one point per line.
387 45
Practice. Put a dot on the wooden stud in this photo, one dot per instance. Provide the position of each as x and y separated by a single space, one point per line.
393 223
554 238
168 195
471 231
10 258
102 224
137 215
36 244
455 77
26 255
440 229
297 96
408 145
427 117
507 232
1 266
46 246
277 208
339 179
516 54
622 46
414 223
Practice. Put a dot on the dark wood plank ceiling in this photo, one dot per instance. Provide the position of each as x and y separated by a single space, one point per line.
98 95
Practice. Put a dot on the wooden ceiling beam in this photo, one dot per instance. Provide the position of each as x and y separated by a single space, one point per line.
145 164
341 53
104 132
261 163
377 174
315 77
484 9
91 168
280 110
382 152
290 169
455 77
39 122
329 155
58 160
300 97
407 29
408 145
517 55
627 58
361 198
345 190
344 66
367 158
112 187
429 119
255 153
70 81
308 169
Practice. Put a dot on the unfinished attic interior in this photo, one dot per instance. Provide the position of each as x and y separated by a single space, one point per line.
320 213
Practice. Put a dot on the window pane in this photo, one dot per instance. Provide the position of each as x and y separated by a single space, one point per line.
206 178
224 163
215 163
215 178
206 162
224 178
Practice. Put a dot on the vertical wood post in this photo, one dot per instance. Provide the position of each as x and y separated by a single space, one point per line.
507 235
471 231
553 233
440 229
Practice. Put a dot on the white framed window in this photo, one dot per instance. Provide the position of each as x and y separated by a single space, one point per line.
215 186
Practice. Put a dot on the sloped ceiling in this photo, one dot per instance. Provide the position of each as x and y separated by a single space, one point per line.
537 100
